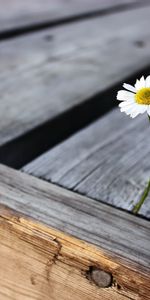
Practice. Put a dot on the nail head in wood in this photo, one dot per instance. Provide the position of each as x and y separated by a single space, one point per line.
101 278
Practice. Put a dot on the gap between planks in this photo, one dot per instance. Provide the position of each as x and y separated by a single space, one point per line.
26 19
41 81
107 161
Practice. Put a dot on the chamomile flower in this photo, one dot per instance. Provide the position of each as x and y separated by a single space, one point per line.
135 99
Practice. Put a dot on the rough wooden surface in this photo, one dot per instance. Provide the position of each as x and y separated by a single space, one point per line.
85 218
107 161
41 263
15 14
45 74
48 258
42 76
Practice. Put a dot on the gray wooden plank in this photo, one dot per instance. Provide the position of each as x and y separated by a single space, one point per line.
45 74
89 220
107 161
15 14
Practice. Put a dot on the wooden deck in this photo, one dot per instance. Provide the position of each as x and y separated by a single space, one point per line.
72 167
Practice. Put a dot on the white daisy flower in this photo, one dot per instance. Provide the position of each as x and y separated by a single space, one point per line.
136 99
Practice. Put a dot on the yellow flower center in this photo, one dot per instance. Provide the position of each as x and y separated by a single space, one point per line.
143 96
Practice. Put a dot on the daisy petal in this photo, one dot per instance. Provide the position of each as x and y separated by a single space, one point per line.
129 87
137 85
148 81
138 109
134 114
141 108
125 95
126 104
132 109
140 83
128 109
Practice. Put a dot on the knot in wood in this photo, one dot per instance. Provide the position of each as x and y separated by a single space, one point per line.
101 278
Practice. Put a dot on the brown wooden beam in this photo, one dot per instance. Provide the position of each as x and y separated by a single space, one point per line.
47 244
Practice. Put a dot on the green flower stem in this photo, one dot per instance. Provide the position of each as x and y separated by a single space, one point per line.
141 201
144 195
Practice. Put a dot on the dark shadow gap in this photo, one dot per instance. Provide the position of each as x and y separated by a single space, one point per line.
24 149
26 29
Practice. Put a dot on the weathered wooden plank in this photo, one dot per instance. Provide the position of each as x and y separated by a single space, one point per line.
41 263
46 74
107 161
15 14
76 214
109 229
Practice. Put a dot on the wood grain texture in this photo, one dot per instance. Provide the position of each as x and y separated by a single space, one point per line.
107 161
78 215
48 73
41 263
51 260
15 14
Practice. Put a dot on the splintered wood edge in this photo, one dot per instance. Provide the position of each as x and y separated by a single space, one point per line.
75 257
